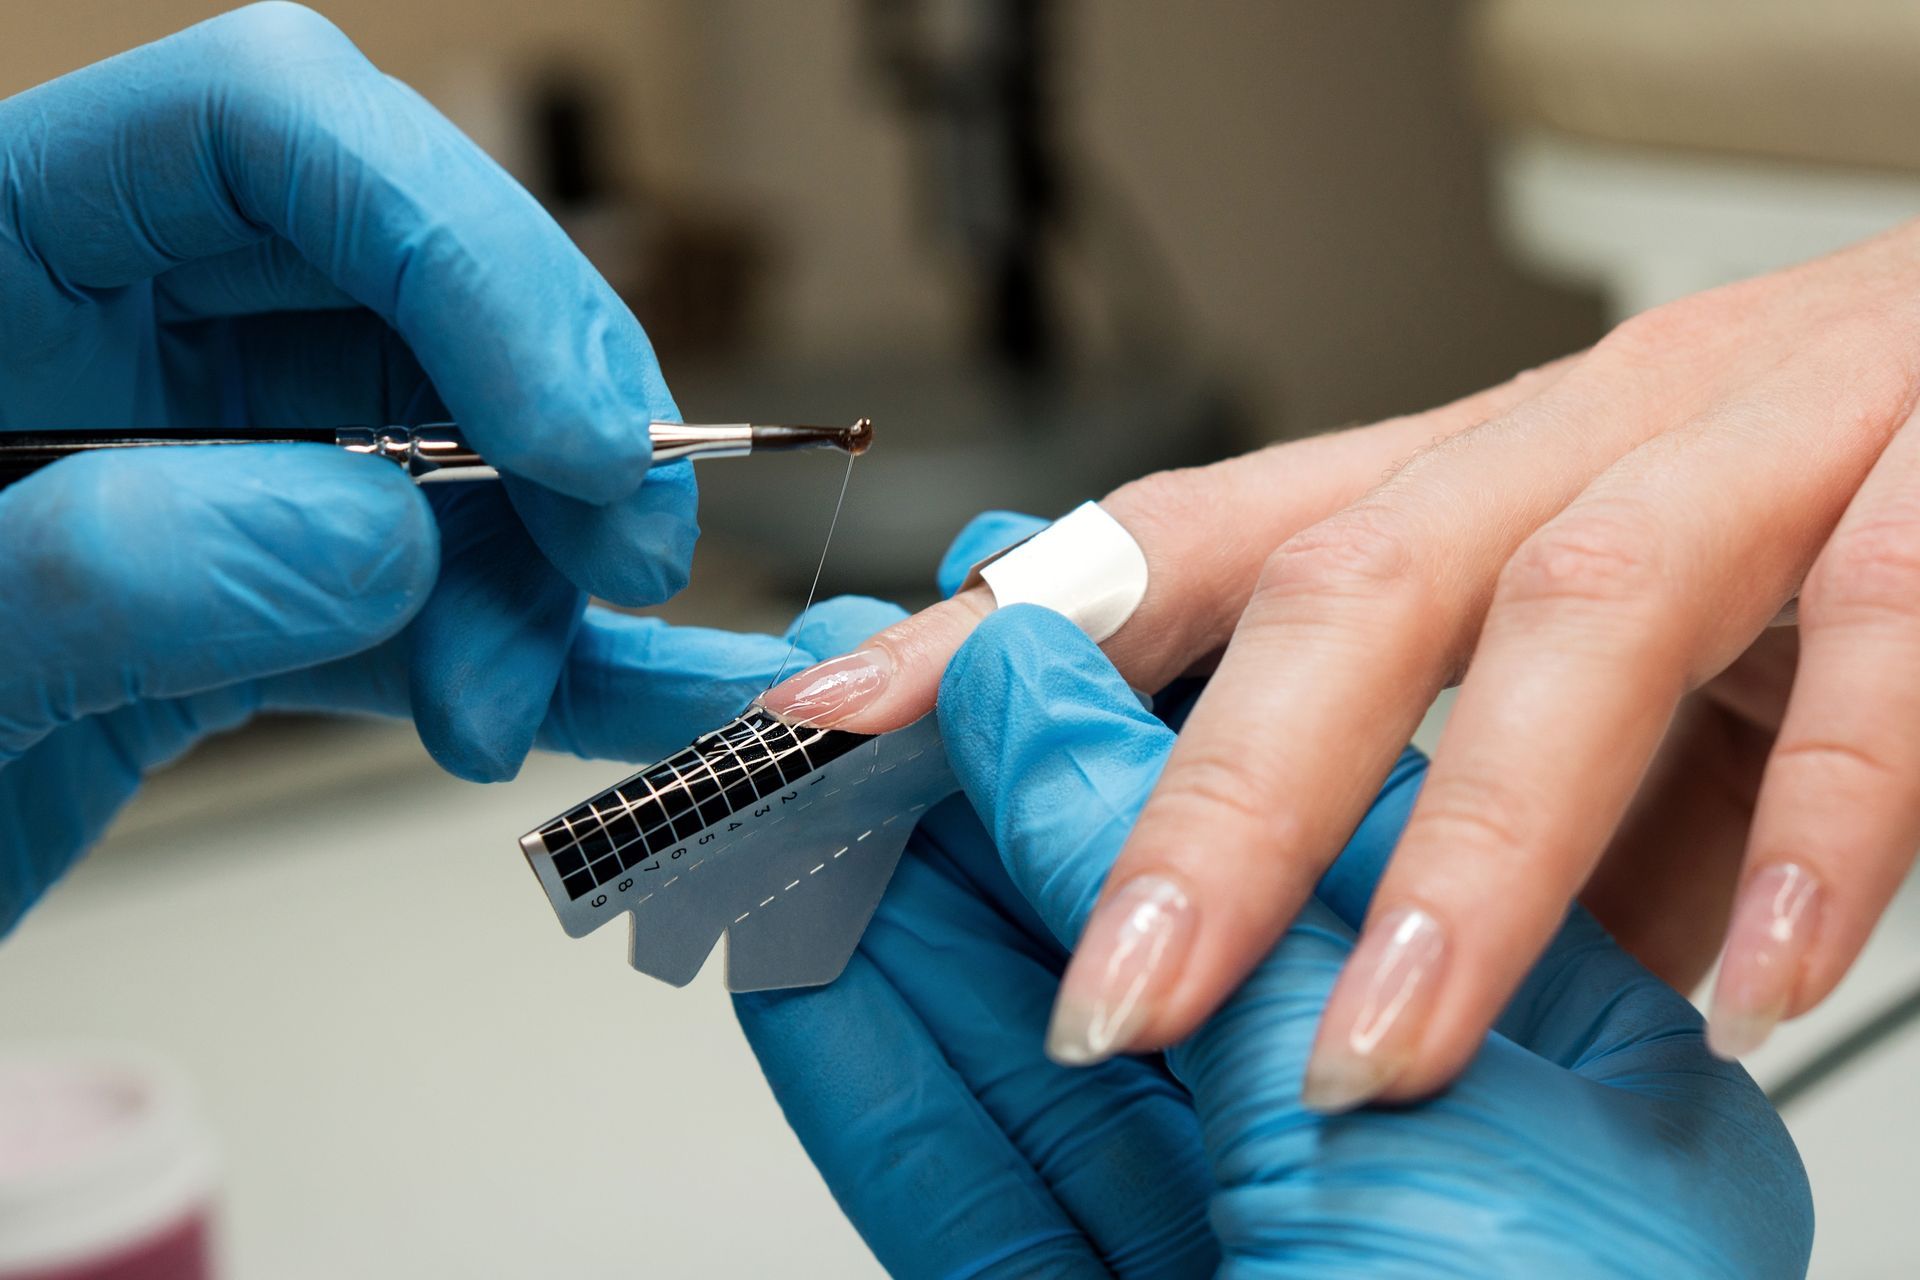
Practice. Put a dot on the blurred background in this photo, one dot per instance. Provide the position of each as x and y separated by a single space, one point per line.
1047 247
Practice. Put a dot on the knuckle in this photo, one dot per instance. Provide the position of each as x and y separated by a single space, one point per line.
1361 552
1837 761
1697 322
1472 819
1208 785
1600 557
275 26
1174 501
267 64
1869 570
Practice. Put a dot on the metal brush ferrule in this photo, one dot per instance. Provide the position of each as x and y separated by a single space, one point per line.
432 452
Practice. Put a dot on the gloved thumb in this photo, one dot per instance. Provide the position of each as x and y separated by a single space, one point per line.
1058 757
986 533
1055 752
162 573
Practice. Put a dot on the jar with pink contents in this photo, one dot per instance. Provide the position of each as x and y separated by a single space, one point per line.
106 1171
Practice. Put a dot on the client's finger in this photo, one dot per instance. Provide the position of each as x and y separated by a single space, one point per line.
1205 533
1838 817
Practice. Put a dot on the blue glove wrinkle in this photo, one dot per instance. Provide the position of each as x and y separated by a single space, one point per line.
489 647
927 1177
59 797
950 840
164 576
985 534
1347 886
265 277
1116 1145
597 545
1097 749
638 689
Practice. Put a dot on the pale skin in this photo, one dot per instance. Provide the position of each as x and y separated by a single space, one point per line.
1599 552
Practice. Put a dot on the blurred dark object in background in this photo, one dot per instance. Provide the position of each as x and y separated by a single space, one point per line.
1026 415
974 78
694 271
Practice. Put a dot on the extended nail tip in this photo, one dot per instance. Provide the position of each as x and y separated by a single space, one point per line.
1732 1036
1333 1091
1074 1053
1071 1039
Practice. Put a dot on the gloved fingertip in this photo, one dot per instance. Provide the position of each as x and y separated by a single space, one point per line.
635 552
487 650
985 534
839 625
466 750
594 393
251 576
1037 666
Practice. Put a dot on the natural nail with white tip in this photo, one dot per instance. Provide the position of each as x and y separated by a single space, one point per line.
1124 963
1774 920
1379 1006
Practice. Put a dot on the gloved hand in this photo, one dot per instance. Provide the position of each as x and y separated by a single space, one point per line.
1593 1135
247 224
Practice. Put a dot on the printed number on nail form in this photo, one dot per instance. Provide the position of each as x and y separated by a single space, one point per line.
783 839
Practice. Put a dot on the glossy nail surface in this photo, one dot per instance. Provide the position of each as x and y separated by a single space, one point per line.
1378 1008
1127 957
1772 930
824 694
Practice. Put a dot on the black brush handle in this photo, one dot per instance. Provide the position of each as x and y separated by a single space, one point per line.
24 452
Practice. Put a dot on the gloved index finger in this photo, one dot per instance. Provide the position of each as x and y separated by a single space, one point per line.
267 121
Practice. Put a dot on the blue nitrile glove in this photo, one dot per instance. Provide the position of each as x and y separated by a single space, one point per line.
630 689
1593 1136
248 225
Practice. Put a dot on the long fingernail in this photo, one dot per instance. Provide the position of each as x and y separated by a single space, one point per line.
831 691
1772 930
1126 960
1376 1012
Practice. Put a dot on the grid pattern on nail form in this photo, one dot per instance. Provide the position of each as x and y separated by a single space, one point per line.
780 839
726 771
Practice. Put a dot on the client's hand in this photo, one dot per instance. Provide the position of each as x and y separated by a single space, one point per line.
1593 1134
